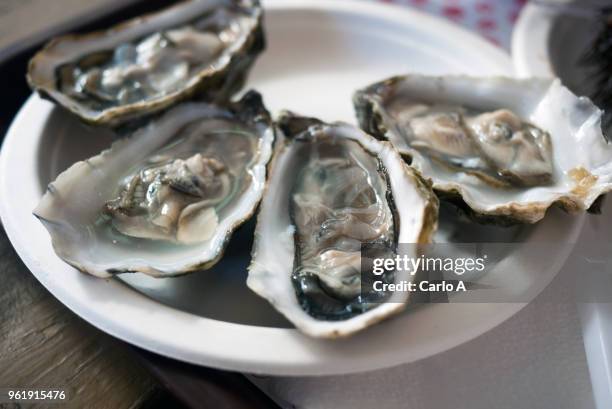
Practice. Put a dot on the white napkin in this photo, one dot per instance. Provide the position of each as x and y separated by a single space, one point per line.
536 359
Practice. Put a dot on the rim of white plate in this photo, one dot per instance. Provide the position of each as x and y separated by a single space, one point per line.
122 312
530 40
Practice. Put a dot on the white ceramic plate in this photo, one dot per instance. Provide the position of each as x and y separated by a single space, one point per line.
319 53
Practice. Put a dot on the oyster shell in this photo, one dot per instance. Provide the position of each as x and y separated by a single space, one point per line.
505 149
149 63
333 189
165 200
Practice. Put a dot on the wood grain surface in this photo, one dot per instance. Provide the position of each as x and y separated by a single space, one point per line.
43 344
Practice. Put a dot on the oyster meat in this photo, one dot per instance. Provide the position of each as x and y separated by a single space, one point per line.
505 149
333 190
149 63
498 146
165 200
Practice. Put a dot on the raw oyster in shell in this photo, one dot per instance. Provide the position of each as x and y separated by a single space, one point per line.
165 200
505 149
147 64
333 190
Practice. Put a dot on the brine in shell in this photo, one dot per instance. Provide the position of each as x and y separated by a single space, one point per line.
165 200
505 149
333 190
145 65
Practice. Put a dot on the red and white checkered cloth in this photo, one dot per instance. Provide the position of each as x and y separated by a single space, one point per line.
493 19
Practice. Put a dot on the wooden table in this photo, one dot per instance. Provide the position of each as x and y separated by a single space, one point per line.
43 344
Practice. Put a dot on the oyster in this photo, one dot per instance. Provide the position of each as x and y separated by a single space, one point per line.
505 149
334 190
149 63
165 200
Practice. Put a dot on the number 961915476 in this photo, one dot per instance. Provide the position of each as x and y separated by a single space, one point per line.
32 394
